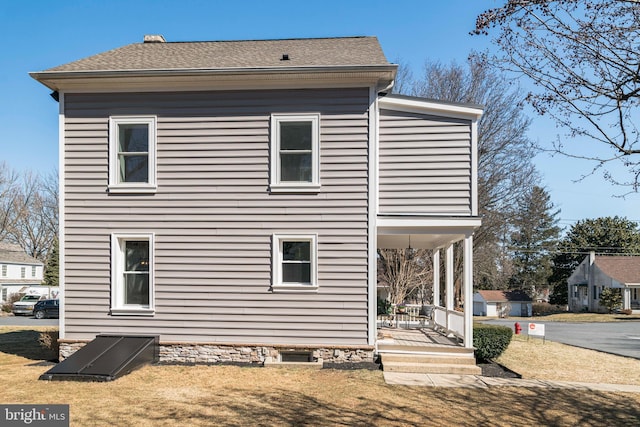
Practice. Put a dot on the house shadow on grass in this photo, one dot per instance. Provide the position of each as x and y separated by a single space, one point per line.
399 405
25 343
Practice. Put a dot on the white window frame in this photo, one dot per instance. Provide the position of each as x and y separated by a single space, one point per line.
117 275
115 186
277 259
33 271
4 270
276 185
23 272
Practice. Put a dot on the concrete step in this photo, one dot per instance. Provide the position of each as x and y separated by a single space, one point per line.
428 349
428 358
431 368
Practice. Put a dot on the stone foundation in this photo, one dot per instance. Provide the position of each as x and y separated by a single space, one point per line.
189 353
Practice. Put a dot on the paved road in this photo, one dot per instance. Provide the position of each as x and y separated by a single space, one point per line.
621 338
26 321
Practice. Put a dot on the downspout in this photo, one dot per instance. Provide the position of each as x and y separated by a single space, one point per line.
60 98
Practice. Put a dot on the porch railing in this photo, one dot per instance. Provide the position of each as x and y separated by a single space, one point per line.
449 320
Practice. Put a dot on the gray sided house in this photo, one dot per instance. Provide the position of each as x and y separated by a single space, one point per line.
230 196
598 272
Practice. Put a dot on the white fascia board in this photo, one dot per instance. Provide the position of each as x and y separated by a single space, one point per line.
424 106
196 79
440 226
427 222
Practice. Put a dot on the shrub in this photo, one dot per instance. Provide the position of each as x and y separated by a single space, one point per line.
384 306
8 305
544 309
490 341
49 341
611 299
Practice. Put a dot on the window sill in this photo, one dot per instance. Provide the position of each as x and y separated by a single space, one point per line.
132 189
293 188
132 312
294 288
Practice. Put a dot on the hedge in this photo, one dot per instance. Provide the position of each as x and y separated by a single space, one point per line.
490 341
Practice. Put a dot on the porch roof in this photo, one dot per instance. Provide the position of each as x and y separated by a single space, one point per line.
398 232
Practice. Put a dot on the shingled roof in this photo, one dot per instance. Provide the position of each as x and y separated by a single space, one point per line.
13 254
501 296
320 52
624 269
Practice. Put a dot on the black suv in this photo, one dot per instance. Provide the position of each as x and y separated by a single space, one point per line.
46 308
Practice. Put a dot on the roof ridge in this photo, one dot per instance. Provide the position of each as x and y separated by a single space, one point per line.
260 40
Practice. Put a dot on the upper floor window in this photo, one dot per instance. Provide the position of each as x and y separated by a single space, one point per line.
132 154
33 271
132 274
23 272
295 152
4 270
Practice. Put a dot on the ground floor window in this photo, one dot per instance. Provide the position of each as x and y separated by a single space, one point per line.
132 274
294 262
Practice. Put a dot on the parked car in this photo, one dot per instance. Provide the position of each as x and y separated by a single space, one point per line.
46 308
25 304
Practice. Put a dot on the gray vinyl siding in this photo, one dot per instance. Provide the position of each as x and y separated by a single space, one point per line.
424 164
213 218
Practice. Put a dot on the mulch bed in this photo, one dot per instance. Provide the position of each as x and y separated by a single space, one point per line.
493 369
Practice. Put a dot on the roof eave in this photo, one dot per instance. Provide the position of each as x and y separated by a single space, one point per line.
381 75
414 104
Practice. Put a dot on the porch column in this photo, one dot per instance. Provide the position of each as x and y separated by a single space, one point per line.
467 291
436 277
626 298
449 292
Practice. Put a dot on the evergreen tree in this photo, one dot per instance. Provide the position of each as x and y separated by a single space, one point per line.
607 235
51 272
533 241
611 299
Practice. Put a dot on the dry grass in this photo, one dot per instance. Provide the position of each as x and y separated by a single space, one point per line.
226 395
548 360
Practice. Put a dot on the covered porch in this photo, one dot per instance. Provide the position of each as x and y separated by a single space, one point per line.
438 235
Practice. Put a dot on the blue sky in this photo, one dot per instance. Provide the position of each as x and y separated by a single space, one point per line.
40 34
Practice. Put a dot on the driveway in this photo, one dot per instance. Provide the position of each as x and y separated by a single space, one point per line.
26 321
621 338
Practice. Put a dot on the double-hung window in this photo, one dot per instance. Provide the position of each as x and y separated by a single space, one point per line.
33 271
23 272
295 152
132 274
295 262
132 154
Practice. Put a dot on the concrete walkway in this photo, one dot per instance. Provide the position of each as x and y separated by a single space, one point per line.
478 381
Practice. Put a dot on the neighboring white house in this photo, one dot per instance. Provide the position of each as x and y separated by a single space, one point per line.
18 271
502 303
597 272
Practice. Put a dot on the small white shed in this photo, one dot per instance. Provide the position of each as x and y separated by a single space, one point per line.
502 304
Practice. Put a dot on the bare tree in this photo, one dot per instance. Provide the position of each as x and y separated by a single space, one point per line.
34 214
8 195
582 57
404 271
